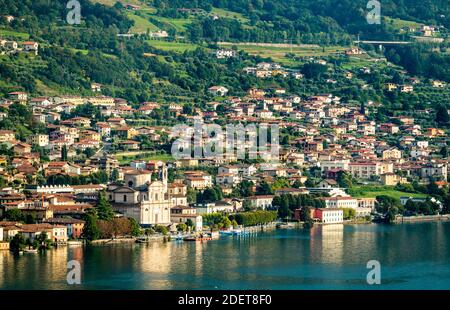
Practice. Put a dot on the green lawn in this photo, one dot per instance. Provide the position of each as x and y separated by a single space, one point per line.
141 25
124 2
278 54
14 34
126 159
357 62
85 52
398 23
172 46
229 14
179 24
372 192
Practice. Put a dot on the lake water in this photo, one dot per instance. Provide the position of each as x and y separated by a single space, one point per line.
412 256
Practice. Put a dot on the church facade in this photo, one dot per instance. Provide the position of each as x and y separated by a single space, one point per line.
141 198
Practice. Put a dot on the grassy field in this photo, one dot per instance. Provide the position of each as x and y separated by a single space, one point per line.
229 14
278 54
398 23
372 192
141 24
112 2
172 46
356 62
179 24
127 157
14 34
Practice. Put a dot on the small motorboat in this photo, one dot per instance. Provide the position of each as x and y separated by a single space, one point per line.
237 232
178 237
32 251
214 234
226 232
74 243
197 239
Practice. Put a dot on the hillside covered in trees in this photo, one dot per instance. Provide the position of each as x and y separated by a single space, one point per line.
73 57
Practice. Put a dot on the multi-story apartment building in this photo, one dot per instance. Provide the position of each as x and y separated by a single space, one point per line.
366 170
340 202
38 139
436 170
262 201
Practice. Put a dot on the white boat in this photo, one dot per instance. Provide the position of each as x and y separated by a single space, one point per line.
142 240
214 234
237 231
226 232
74 243
33 251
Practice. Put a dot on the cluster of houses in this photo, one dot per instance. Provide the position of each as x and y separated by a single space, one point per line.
78 133
271 69
13 47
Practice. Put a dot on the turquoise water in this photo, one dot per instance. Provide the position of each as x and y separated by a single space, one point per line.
412 256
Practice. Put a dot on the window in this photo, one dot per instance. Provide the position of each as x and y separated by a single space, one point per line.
124 198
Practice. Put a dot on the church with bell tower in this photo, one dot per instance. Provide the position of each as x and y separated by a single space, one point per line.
143 196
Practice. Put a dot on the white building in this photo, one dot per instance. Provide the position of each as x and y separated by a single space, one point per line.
159 34
198 180
329 216
182 218
437 170
40 102
342 164
228 179
261 202
366 170
213 207
218 91
243 170
225 53
31 47
340 202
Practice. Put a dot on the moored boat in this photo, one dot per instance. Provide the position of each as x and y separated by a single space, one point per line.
214 234
198 239
226 232
74 243
30 251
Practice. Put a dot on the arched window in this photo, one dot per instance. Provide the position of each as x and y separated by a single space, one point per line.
130 183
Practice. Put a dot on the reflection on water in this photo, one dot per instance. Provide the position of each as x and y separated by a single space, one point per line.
412 256
328 242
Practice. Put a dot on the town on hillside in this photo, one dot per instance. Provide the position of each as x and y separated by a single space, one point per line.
336 163
94 116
